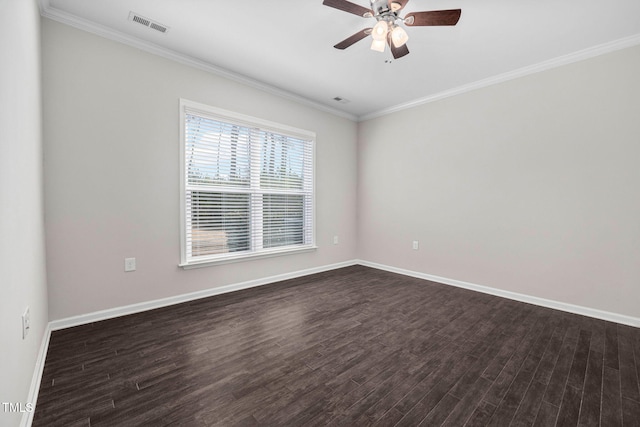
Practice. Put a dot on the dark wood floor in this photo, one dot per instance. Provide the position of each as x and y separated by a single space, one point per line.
355 346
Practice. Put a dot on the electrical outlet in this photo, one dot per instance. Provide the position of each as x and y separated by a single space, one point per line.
26 322
129 264
335 240
415 245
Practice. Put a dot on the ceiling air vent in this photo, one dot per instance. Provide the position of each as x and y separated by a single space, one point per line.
160 28
134 17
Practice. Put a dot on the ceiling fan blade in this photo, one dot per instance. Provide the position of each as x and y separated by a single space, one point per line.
347 6
396 5
397 52
435 17
353 39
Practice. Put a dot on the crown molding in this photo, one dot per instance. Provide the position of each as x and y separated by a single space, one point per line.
74 21
82 24
581 55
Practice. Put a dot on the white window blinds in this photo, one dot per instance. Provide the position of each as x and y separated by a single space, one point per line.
247 187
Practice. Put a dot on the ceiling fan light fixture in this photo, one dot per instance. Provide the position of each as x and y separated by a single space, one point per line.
378 45
380 30
399 36
386 30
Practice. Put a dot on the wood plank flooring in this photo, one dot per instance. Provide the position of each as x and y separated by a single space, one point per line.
349 347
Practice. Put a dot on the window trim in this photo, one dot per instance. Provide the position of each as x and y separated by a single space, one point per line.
245 120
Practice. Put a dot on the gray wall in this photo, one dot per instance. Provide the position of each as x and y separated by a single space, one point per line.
525 186
111 127
22 264
528 186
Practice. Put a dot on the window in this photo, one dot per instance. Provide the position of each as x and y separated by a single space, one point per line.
247 186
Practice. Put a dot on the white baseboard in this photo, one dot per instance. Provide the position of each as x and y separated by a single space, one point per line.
150 305
576 309
27 417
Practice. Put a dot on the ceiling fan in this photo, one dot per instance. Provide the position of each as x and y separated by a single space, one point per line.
386 31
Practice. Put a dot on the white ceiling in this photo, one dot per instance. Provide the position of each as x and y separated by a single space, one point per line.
286 46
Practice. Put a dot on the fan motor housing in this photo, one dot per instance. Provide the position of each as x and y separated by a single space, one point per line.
380 7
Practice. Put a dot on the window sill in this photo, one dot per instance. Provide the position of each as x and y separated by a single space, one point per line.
245 257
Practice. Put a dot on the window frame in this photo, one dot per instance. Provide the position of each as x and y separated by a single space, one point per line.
252 122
